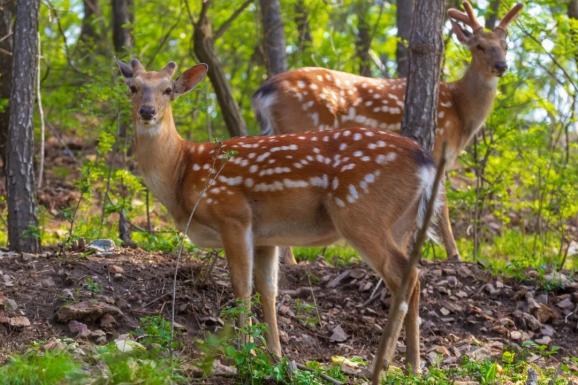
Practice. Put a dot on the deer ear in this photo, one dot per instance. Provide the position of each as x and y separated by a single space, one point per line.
462 35
190 78
125 69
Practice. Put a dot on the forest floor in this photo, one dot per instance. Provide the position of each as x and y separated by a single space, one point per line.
324 311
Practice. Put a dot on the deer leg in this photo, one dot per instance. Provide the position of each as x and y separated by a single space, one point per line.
266 269
238 245
412 331
287 256
447 233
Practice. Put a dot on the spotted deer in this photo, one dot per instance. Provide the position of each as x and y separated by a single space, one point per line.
320 99
249 195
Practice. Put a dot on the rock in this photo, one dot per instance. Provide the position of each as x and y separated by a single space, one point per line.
566 304
516 335
115 269
545 340
98 336
126 345
15 322
223 370
86 310
547 330
545 313
68 294
445 312
108 322
47 282
338 335
526 320
542 298
103 246
453 281
54 344
10 305
7 280
557 278
79 329
490 289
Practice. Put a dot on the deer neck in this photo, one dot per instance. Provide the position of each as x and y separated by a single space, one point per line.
159 151
474 95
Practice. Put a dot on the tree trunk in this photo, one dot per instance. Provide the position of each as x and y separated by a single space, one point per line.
425 53
205 52
573 14
122 21
21 188
403 21
88 32
363 39
8 8
273 36
303 28
492 15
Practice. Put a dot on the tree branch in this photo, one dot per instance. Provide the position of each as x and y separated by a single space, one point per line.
227 23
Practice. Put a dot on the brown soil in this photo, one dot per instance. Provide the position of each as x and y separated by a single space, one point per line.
464 310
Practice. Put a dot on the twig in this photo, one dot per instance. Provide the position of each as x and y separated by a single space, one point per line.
374 294
41 116
314 301
322 375
415 255
227 23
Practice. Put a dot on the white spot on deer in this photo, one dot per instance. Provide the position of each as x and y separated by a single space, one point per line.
209 201
353 195
295 183
253 169
376 96
342 146
301 84
215 190
319 181
396 126
326 138
200 148
358 154
249 182
357 136
196 167
385 159
297 165
308 105
233 181
206 166
369 178
313 86
369 134
336 135
339 203
335 183
441 114
320 78
348 167
366 159
368 103
392 96
350 115
383 126
263 156
315 118
364 85
346 133
363 185
399 103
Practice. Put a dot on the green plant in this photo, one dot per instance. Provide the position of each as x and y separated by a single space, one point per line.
92 285
156 331
48 368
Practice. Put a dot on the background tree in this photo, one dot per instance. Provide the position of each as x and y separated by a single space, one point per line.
363 39
273 36
403 21
21 187
122 25
204 41
425 53
7 8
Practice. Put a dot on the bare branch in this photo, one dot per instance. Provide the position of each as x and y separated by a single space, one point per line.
227 23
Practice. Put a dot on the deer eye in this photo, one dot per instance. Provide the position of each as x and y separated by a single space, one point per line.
168 91
479 47
133 89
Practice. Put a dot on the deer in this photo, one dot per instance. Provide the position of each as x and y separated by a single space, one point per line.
249 195
313 98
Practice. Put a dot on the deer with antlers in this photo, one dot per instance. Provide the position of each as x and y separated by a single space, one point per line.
321 99
251 194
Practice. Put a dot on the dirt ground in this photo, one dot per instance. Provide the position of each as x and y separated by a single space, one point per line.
323 310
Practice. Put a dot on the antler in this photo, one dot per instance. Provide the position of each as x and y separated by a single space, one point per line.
510 16
469 18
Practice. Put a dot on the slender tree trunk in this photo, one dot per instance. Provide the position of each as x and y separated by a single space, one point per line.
7 8
88 31
205 52
22 222
492 15
363 39
122 21
403 21
303 27
425 53
573 14
273 36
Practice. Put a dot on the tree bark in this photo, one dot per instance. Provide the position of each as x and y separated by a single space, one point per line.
122 21
21 188
403 20
88 32
303 27
425 53
492 15
363 39
205 52
273 36
8 8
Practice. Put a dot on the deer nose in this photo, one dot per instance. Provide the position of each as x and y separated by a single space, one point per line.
147 112
501 67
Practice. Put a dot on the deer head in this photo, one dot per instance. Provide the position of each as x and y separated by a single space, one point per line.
153 91
488 47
